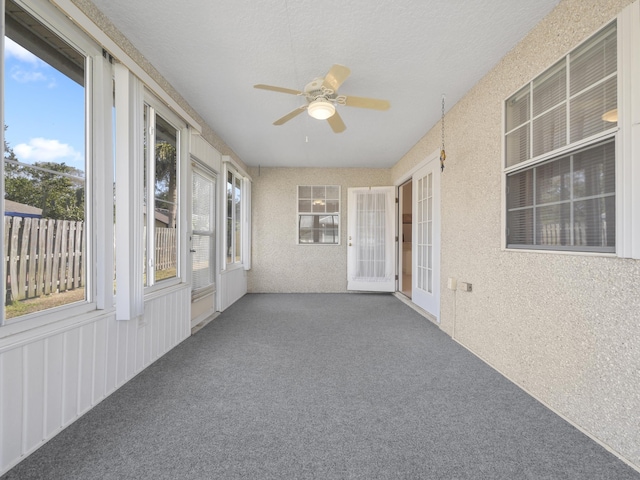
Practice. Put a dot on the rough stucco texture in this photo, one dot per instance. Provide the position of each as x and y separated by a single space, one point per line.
278 263
564 327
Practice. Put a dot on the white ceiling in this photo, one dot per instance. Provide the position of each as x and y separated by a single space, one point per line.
409 52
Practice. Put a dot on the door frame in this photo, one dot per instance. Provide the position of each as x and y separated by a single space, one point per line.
213 291
434 156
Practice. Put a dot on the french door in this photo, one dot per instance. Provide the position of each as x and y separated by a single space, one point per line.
371 239
425 282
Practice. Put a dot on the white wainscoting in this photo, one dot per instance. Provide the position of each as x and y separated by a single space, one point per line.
233 285
50 380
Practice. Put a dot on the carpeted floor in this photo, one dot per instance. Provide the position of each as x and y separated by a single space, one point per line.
320 386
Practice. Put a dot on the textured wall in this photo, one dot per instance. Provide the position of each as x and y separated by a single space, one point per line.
279 264
564 327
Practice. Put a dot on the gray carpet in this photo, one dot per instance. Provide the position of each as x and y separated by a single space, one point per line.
320 386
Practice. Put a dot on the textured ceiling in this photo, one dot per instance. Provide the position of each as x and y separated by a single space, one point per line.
409 52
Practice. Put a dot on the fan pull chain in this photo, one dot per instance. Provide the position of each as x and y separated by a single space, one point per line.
443 155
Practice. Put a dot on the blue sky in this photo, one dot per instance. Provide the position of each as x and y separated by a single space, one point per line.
43 109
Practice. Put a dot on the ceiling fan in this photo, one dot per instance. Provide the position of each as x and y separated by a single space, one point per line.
322 98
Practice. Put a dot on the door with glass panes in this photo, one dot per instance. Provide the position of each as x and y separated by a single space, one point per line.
203 242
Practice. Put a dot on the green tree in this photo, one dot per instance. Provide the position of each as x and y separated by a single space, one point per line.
59 196
166 179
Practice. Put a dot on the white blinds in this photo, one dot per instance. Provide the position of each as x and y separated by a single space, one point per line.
565 203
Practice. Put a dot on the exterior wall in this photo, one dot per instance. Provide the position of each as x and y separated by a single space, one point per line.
49 380
279 264
566 328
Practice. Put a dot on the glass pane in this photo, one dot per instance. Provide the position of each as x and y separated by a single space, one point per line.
229 221
553 181
318 205
238 222
520 227
594 171
595 222
202 204
550 88
318 192
553 225
594 60
304 206
304 192
333 192
520 189
517 146
201 273
517 109
44 154
588 109
166 200
550 131
333 206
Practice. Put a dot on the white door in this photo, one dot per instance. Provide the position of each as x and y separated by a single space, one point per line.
426 239
203 242
371 239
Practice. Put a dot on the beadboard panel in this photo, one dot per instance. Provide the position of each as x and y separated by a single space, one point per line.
48 382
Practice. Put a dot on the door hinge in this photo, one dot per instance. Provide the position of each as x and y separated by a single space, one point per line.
397 239
396 277
397 201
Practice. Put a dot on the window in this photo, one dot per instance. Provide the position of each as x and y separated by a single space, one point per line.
560 154
161 140
47 220
234 218
319 214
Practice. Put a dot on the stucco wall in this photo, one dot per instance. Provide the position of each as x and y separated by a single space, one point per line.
564 327
278 263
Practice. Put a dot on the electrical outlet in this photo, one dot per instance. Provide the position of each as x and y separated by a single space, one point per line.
465 287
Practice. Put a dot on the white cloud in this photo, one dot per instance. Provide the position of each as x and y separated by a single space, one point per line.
44 150
30 67
12 49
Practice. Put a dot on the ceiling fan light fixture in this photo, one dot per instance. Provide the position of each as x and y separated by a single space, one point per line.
321 109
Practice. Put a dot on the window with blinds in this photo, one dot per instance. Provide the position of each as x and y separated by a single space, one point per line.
560 152
319 214
570 102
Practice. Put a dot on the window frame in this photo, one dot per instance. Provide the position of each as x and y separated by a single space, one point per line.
158 108
627 26
230 236
338 214
98 160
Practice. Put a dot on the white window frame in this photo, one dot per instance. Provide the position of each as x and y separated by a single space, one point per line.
299 214
627 140
158 108
98 174
245 218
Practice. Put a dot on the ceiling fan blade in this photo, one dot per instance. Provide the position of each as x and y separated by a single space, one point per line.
290 115
278 89
364 102
336 123
336 75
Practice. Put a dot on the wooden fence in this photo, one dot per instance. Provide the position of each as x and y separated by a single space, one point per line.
42 256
